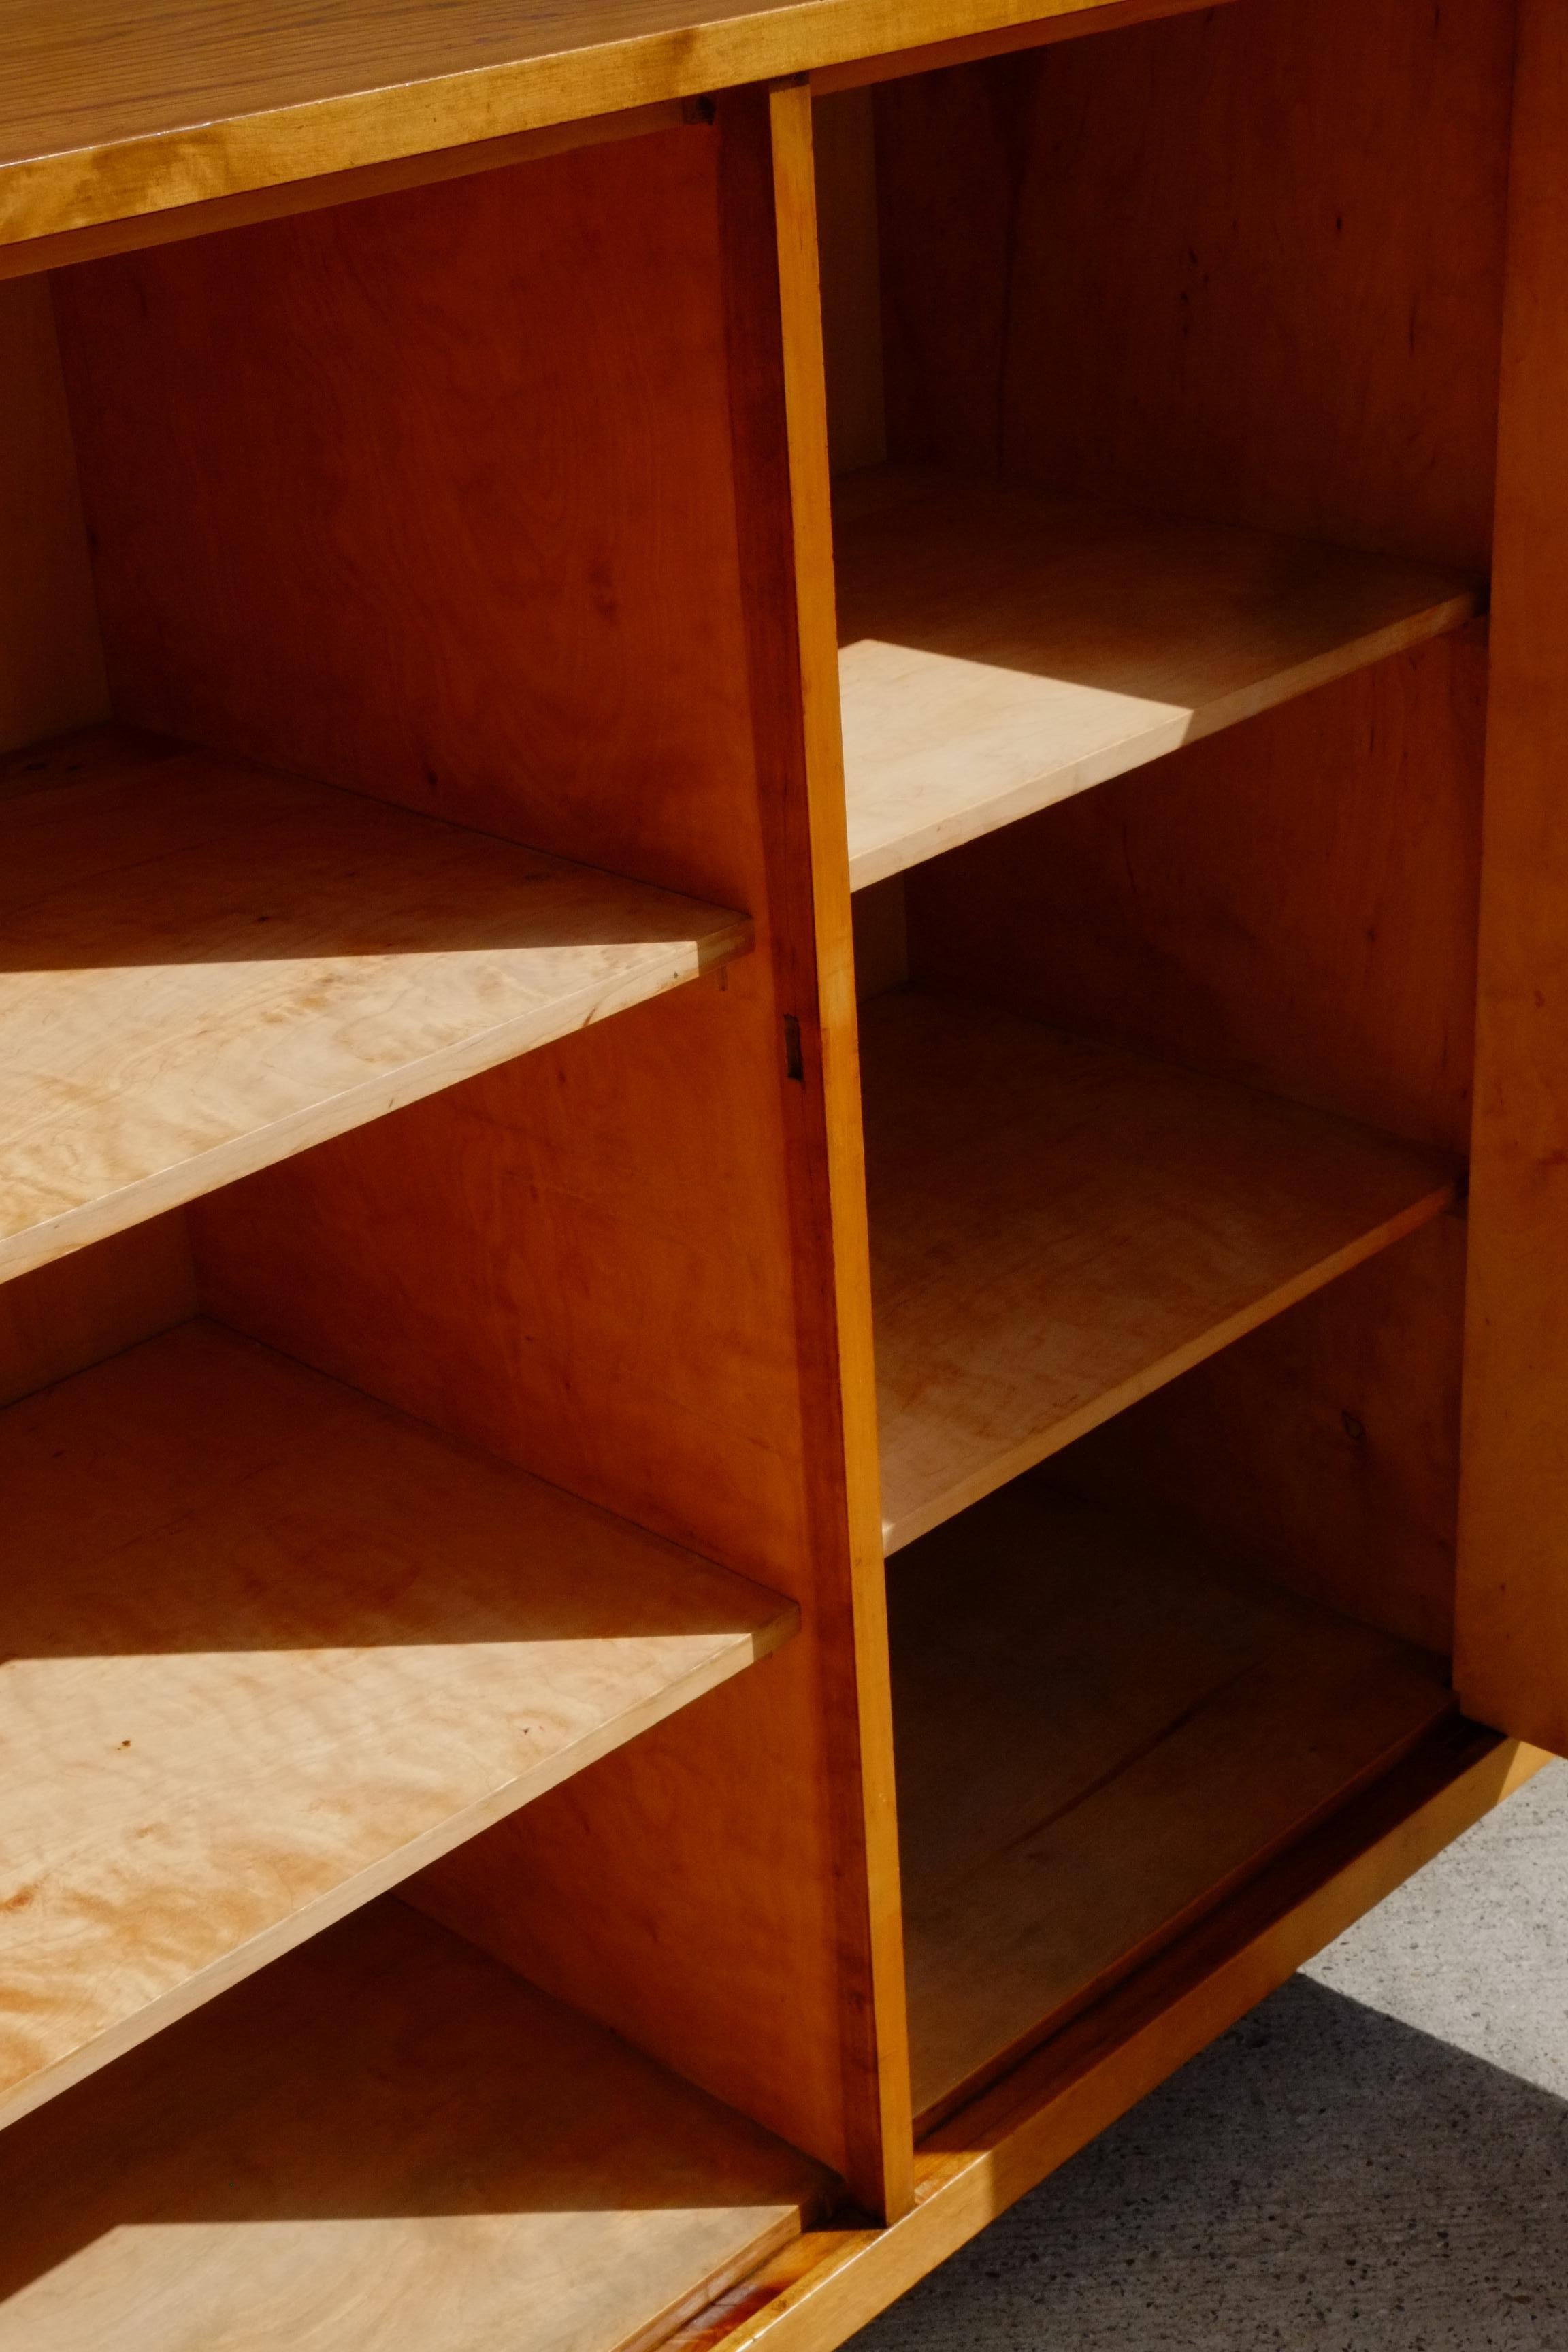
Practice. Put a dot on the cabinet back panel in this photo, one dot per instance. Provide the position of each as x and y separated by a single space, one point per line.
63 1316
447 478
1325 1443
51 662
437 497
1291 903
1246 265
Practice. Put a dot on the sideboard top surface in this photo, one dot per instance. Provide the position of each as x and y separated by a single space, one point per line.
113 108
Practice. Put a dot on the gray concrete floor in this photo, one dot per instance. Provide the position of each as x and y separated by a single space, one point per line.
1375 2160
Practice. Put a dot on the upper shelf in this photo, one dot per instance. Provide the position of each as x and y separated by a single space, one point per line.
1000 650
386 2138
207 967
285 1646
110 109
1058 1227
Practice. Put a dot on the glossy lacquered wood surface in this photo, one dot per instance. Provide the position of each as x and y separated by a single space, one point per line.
1100 1732
1058 1227
1001 650
269 1646
387 2137
207 967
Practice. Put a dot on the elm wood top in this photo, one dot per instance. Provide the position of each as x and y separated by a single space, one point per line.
119 107
385 2136
270 1646
207 967
1057 1227
1001 650
1100 1733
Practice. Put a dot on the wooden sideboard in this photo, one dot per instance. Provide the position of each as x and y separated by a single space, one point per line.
783 1113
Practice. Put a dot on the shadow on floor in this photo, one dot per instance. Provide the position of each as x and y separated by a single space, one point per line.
1326 2179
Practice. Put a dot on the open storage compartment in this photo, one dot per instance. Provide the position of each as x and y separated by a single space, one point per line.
419 1396
1163 695
632 1061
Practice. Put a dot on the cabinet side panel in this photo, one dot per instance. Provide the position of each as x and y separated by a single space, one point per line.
444 498
1512 1656
51 663
1246 265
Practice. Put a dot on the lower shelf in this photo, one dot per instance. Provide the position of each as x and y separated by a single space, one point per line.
1099 1734
269 1646
385 2136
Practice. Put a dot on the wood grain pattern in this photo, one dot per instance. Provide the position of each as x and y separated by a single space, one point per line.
100 239
269 1647
842 138
1512 1664
1337 1424
385 2135
1100 1732
63 1316
1291 904
1245 266
975 2167
51 662
518 444
113 107
166 912
1001 651
1058 1228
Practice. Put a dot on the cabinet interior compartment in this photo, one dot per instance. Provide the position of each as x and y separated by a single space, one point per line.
387 2129
410 1377
1160 570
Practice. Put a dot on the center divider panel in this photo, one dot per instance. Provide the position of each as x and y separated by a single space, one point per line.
473 498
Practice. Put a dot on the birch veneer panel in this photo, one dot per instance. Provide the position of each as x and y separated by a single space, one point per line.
1000 650
387 2137
1057 1227
270 1646
1099 1734
207 967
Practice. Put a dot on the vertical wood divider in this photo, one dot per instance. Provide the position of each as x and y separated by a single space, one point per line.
1511 1652
780 414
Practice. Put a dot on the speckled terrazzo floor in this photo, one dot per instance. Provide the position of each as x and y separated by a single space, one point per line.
1375 2160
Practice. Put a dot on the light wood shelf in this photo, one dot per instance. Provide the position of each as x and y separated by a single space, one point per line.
209 966
287 1646
1001 650
386 2136
1058 1227
1100 1732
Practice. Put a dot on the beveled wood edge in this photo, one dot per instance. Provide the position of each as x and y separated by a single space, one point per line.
125 184
1451 615
206 218
830 2283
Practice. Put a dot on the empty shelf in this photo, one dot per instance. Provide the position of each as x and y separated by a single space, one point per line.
269 1646
1058 1227
207 967
387 2138
1000 650
1098 1735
